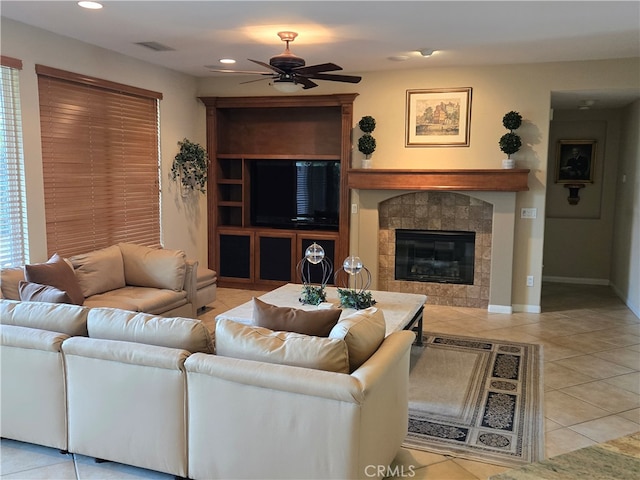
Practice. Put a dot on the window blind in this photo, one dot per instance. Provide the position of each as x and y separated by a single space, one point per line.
14 240
100 155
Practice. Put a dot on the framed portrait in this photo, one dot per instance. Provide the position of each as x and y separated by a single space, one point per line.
575 161
438 117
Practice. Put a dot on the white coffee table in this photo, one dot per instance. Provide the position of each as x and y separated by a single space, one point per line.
402 311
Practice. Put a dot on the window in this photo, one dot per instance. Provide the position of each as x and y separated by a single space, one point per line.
13 211
100 156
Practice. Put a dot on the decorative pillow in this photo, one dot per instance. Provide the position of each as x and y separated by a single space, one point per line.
249 342
34 292
99 271
9 279
363 331
284 319
57 273
153 267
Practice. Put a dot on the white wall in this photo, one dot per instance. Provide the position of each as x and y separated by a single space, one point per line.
578 238
625 264
181 115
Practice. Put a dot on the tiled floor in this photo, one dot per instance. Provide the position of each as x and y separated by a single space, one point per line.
592 383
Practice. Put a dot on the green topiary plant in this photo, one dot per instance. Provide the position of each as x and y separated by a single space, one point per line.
313 295
510 142
366 143
190 165
355 299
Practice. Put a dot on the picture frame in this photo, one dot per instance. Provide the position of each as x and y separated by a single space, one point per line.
575 161
438 117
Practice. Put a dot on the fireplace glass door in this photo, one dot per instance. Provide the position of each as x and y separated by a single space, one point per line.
435 256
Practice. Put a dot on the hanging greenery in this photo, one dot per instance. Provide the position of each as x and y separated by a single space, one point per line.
190 166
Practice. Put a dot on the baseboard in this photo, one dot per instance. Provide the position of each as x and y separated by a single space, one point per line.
527 308
500 309
577 280
634 308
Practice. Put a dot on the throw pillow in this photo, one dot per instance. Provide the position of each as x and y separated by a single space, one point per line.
363 331
56 273
285 319
99 271
259 344
153 267
35 292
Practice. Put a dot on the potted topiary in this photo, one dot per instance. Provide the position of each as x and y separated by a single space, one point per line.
366 143
190 167
510 142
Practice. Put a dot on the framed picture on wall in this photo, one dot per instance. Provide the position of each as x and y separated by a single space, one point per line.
438 117
575 160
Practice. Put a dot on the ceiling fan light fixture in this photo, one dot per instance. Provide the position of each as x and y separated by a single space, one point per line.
286 86
227 60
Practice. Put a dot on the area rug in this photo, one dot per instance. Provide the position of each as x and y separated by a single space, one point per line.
616 459
477 398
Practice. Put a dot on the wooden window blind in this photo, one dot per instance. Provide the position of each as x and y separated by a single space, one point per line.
100 156
14 240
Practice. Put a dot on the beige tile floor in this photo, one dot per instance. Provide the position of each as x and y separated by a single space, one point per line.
591 374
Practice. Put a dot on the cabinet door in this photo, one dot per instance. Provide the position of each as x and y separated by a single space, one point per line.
275 258
328 242
235 255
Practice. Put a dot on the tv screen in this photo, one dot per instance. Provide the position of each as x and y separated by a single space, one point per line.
295 194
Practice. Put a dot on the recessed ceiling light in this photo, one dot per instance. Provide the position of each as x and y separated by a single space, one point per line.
90 5
227 60
426 52
398 58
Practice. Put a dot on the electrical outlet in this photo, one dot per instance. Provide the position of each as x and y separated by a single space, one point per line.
354 208
529 213
529 280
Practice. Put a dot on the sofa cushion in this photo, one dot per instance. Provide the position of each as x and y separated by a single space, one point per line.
57 273
139 299
62 318
153 267
35 292
285 319
260 344
9 280
363 331
183 333
99 271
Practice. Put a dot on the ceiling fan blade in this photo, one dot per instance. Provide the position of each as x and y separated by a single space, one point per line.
266 65
247 72
305 82
336 78
323 67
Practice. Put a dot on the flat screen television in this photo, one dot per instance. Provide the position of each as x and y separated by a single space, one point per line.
295 194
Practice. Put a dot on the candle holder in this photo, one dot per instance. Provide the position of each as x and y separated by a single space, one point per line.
314 260
355 279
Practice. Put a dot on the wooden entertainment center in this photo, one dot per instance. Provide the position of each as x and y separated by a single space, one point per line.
242 130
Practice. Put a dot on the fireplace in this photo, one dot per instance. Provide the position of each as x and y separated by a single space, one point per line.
436 256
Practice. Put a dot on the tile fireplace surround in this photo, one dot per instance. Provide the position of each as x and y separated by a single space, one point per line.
483 201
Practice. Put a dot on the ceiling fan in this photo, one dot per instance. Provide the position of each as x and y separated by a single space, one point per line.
287 70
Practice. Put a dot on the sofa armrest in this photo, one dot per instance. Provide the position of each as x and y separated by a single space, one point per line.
191 284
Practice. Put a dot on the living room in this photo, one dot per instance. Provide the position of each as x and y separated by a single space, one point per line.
529 88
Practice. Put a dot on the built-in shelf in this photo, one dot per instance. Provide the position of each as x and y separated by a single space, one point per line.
496 180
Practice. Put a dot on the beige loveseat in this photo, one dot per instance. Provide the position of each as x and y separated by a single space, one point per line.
148 391
126 276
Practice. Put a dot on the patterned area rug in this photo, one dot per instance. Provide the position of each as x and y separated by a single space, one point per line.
616 459
478 399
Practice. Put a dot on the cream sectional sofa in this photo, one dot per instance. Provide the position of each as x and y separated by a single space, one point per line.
149 391
133 277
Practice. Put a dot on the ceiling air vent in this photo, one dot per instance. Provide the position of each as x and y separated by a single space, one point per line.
155 46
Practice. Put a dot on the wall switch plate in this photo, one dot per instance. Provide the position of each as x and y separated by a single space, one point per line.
529 213
529 280
354 208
